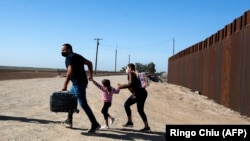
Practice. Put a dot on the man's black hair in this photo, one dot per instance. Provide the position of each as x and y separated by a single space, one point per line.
68 46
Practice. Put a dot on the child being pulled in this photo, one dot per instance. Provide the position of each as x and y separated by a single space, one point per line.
107 94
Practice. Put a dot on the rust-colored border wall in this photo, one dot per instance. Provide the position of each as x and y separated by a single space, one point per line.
219 66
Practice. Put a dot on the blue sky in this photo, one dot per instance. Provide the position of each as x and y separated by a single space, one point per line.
142 31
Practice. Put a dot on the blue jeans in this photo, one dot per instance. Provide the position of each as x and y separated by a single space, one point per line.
80 92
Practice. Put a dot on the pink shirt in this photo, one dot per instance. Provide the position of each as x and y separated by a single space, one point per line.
106 95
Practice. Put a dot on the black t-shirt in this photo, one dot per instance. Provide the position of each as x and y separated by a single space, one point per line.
134 84
79 75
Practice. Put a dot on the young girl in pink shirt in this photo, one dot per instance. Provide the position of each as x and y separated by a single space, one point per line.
107 95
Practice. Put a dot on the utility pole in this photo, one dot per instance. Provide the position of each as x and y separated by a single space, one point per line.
97 44
129 58
115 57
173 46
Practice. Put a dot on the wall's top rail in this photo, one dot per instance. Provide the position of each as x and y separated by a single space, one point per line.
237 25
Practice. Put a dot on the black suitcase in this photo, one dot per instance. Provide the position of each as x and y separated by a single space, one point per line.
63 101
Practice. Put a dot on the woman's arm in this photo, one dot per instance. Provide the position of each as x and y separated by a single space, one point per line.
128 85
115 91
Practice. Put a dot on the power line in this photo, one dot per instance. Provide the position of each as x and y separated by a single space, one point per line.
173 45
152 45
97 44
115 57
129 58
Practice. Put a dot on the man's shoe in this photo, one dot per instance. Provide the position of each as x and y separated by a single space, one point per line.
128 124
68 123
94 128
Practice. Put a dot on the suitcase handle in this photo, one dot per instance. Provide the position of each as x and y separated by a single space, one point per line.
67 92
64 91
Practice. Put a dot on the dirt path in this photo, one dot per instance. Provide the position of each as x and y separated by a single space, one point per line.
25 114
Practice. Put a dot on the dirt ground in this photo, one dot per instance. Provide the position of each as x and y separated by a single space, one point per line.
25 112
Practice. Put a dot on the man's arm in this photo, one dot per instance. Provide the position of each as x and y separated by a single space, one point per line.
90 68
68 76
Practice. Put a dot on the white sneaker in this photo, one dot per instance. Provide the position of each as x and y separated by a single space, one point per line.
67 123
111 121
104 127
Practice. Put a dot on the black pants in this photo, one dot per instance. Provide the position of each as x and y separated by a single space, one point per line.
140 99
105 109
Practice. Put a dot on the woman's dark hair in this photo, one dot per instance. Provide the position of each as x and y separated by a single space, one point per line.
131 66
68 46
106 83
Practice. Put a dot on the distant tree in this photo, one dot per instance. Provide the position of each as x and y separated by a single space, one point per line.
146 68
140 67
123 69
150 68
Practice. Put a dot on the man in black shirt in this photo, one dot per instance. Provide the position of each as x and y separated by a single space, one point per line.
77 75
